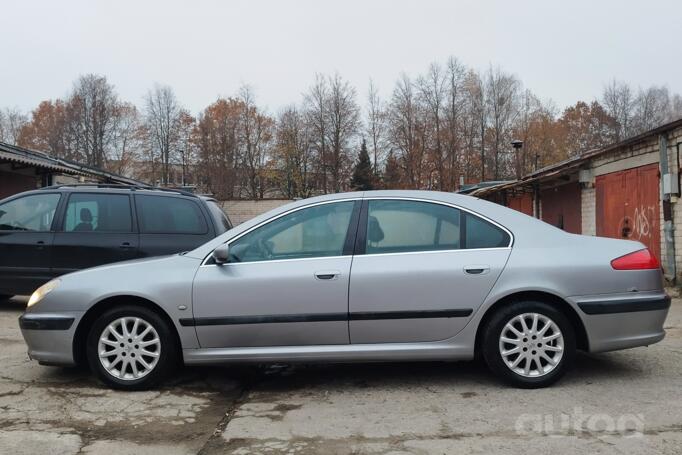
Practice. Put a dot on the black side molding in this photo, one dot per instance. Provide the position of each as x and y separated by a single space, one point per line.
326 317
45 323
625 306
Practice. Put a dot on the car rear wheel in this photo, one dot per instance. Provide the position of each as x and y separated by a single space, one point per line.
529 344
131 348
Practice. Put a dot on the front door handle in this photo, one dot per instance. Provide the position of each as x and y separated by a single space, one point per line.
327 275
477 269
40 244
125 245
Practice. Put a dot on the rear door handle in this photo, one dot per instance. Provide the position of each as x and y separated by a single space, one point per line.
40 244
477 269
327 275
125 245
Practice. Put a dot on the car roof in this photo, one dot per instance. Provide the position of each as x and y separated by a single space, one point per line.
107 188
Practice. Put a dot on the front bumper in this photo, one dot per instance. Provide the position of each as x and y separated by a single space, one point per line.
622 321
49 337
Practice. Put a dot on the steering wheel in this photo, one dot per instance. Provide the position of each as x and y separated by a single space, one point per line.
265 248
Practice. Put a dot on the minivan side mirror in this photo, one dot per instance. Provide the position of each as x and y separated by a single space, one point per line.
221 255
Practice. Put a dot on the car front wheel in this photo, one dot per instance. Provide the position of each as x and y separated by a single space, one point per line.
529 344
131 348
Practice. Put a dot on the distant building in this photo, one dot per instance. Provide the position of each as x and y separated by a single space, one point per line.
23 169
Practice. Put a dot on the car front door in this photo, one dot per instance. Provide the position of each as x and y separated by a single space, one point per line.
25 240
286 283
96 229
420 270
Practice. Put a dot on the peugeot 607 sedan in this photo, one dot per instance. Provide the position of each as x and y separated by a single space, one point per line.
374 276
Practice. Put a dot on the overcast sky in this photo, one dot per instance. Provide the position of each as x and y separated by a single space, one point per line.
565 51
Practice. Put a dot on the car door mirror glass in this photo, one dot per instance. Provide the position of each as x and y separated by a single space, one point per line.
221 255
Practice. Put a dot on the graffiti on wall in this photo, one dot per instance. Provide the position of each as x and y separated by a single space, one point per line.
641 225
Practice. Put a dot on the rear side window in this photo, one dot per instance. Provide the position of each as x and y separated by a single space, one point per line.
395 226
98 213
482 234
219 215
29 213
169 215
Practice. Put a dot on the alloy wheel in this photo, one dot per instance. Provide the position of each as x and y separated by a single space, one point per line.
531 345
129 348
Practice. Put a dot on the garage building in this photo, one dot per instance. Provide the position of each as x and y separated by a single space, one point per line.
627 190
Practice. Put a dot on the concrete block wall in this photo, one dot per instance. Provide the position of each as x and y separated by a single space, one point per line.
243 210
588 207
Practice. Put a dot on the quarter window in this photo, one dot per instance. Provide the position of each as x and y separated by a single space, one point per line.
98 213
169 215
29 213
481 234
395 226
318 231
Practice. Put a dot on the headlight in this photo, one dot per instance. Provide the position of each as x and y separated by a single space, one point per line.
42 291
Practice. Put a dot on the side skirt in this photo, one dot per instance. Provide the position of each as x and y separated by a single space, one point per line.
332 353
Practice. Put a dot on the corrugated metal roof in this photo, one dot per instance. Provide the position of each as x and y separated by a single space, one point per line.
20 155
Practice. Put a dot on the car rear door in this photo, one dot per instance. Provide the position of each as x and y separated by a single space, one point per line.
420 271
96 228
286 283
171 224
26 236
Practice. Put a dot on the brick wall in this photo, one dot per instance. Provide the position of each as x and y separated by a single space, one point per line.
243 210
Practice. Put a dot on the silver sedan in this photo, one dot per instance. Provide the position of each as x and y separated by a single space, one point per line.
374 276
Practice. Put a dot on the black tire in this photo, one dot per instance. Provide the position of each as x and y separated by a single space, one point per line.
167 359
491 344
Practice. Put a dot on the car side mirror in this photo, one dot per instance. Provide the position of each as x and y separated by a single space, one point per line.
221 255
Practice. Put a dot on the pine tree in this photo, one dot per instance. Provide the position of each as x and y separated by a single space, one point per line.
391 173
363 175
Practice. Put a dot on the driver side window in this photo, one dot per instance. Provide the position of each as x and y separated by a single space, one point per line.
29 213
318 231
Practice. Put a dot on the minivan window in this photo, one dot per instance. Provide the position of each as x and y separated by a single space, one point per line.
29 213
318 231
89 212
169 215
218 213
398 226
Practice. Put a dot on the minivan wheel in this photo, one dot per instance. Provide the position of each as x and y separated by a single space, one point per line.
529 344
131 348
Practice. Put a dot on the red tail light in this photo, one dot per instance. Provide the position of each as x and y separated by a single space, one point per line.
639 260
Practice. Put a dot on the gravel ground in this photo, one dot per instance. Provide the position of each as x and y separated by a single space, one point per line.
622 402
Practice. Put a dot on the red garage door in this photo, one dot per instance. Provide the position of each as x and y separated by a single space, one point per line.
521 202
561 207
628 206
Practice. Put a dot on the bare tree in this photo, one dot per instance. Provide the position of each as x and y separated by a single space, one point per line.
376 124
293 154
317 116
502 92
255 137
93 107
127 141
619 103
344 118
12 120
432 94
162 119
652 108
406 131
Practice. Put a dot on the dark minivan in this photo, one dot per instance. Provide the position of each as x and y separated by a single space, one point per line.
60 229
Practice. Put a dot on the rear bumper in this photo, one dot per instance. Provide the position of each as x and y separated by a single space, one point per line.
49 337
622 321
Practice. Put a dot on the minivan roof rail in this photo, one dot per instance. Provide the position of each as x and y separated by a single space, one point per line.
120 186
